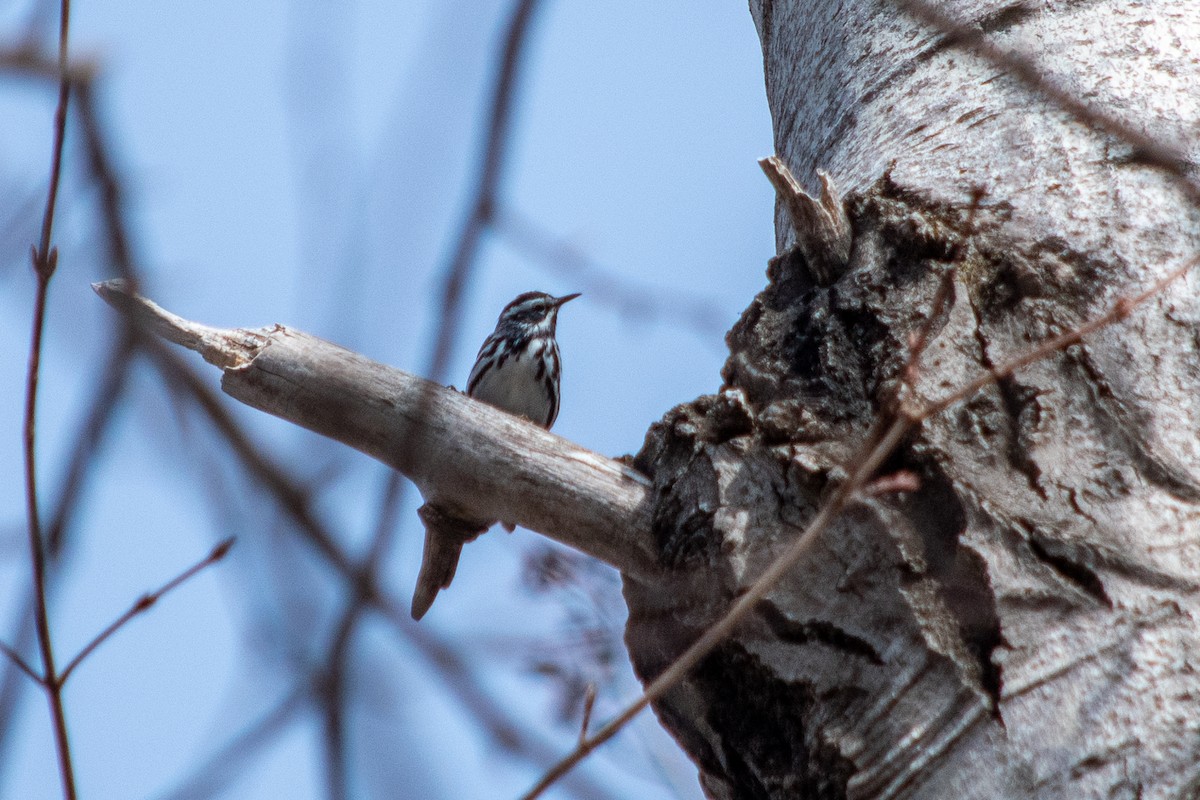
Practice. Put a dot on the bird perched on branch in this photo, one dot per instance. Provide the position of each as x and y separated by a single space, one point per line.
517 370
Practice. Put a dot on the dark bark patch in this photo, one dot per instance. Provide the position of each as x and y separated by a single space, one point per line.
683 527
816 632
767 750
1072 571
959 573
1024 413
686 493
729 418
1007 17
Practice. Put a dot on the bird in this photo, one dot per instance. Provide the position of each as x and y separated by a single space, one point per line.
517 370
518 366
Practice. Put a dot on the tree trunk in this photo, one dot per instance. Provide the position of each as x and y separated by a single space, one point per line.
1024 624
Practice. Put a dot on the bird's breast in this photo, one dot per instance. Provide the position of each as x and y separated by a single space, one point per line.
518 386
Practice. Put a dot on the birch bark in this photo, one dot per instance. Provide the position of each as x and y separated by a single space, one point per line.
1024 625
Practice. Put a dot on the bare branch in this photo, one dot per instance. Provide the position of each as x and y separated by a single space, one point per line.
143 604
468 456
45 259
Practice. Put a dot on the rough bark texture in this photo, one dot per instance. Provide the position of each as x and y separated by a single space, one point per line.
1024 625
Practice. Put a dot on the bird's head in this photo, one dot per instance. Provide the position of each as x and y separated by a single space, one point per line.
533 310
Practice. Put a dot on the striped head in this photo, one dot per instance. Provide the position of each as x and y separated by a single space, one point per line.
530 315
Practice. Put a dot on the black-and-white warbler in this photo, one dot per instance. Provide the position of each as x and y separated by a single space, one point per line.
517 370
518 367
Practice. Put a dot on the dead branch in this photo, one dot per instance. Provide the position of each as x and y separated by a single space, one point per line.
821 226
474 459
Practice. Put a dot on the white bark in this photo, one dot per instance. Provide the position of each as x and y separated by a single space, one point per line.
1025 624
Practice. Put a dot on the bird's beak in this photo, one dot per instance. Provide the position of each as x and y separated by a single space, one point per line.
565 298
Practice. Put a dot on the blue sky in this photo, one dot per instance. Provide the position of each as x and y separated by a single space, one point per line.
308 163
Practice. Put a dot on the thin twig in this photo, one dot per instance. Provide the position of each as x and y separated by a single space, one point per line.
104 175
109 393
332 696
589 702
45 259
29 59
42 256
920 340
21 663
144 603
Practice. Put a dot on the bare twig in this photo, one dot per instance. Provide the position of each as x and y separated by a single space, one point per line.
589 701
45 259
20 663
100 166
920 339
332 696
144 603
80 466
29 59
114 379
893 483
